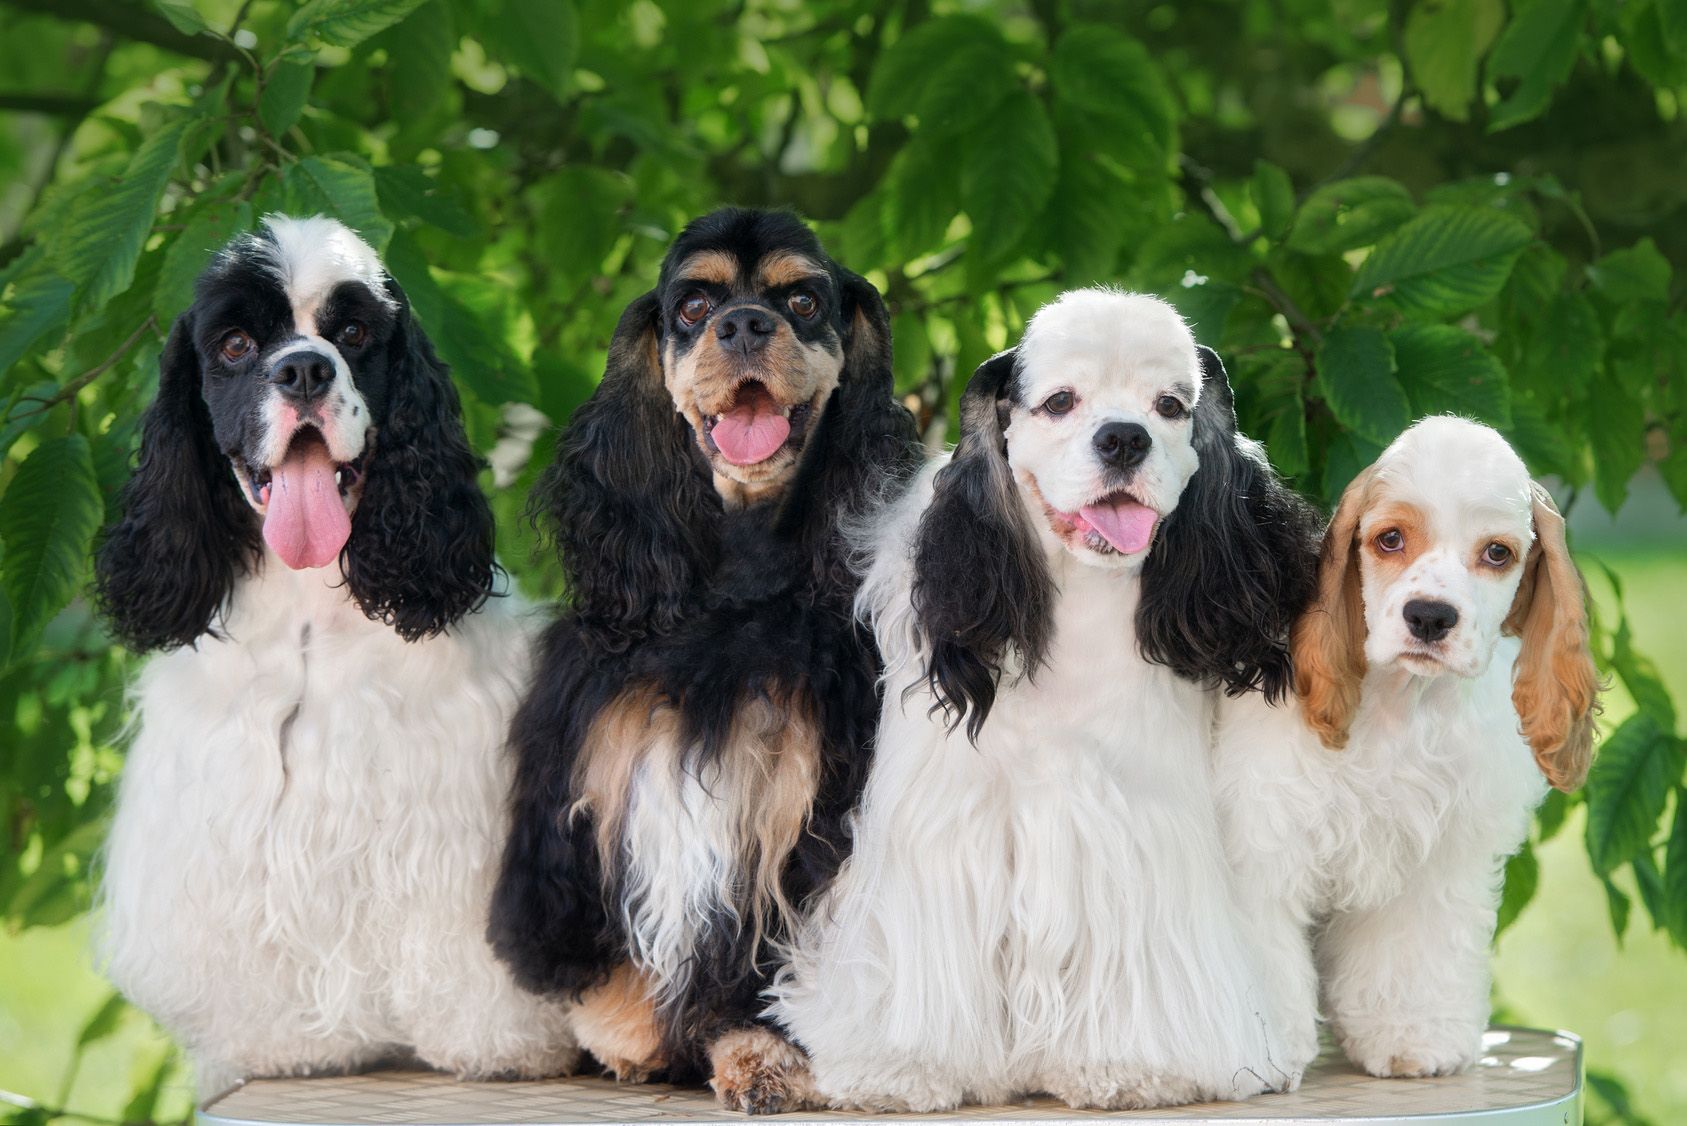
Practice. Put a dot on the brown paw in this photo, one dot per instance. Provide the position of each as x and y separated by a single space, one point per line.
757 1071
616 1022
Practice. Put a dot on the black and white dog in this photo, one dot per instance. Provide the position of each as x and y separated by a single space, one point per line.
1040 902
310 816
702 716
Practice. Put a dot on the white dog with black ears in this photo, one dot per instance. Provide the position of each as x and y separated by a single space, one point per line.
1443 679
1040 902
308 827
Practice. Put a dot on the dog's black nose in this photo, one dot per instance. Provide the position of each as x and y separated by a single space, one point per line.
1429 621
747 329
303 375
1122 445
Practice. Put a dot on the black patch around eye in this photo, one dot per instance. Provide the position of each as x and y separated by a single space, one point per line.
258 308
352 301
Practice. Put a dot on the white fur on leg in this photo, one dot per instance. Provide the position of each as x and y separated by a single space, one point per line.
307 832
1048 910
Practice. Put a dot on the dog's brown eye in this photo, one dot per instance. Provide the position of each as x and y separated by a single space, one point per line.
1170 406
1060 402
236 345
1391 540
804 304
1496 555
354 334
693 308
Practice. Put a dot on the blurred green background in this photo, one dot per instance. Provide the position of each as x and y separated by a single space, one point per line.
1375 209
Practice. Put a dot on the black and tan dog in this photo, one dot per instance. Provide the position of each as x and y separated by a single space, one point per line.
702 716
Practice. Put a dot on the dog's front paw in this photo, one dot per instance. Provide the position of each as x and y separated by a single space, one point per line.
1121 1087
757 1071
1410 1053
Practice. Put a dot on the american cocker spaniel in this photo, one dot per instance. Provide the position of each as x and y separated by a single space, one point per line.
1037 899
310 816
1443 679
702 715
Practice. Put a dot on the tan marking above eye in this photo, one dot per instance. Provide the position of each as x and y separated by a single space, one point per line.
715 267
784 267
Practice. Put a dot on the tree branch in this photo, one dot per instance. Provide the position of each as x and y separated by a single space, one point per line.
51 105
69 391
132 21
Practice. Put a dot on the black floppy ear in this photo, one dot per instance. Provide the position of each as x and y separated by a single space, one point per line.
981 584
168 564
420 553
869 438
627 498
1235 562
867 350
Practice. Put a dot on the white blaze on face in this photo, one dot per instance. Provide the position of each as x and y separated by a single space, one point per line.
1460 488
306 512
1118 354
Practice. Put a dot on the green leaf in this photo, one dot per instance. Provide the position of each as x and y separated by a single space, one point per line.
578 220
1087 216
903 70
1274 197
182 16
1446 261
48 517
1522 879
1356 379
480 360
143 1105
1101 70
1638 273
1445 40
1345 458
35 304
407 191
1552 814
1618 905
346 23
1534 55
1349 214
286 90
921 197
187 255
104 1021
108 227
961 94
540 38
1616 428
1286 440
1564 351
1005 183
1675 873
345 190
1446 370
1626 791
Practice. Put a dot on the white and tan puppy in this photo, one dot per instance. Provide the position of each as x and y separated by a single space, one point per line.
1039 901
1443 678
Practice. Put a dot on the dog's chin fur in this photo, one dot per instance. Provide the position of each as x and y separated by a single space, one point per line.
1037 900
307 827
1396 842
702 714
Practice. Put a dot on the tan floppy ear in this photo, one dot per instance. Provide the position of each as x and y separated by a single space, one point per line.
1328 641
1556 688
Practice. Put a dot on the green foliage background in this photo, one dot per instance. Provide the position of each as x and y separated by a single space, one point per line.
1374 211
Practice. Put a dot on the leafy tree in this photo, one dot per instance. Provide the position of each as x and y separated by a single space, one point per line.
1375 211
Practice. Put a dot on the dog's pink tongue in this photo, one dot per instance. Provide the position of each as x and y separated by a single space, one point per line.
305 520
753 430
1124 523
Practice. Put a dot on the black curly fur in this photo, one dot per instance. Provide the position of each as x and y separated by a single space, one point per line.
420 552
712 609
981 584
169 562
1234 564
